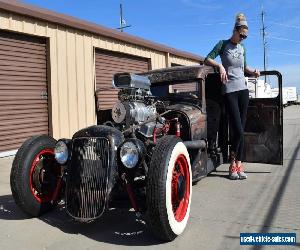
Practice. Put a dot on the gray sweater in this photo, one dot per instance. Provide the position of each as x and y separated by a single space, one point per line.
233 57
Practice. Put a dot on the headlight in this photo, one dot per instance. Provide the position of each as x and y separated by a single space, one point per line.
129 154
61 152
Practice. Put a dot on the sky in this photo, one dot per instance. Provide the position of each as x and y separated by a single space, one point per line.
197 25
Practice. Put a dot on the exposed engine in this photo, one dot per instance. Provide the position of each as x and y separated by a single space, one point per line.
136 104
137 110
133 107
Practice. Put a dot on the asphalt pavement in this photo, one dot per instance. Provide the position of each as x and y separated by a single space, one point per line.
268 201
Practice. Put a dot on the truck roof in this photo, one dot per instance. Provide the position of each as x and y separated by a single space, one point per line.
178 74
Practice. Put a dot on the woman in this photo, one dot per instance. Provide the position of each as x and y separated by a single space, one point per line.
236 93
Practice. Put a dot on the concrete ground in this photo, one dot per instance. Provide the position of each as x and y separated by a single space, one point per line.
268 201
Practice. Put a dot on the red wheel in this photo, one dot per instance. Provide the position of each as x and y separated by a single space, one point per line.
169 188
180 188
42 176
34 177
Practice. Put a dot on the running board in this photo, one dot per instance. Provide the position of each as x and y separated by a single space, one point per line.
213 162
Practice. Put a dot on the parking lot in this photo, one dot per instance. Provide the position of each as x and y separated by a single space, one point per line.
268 201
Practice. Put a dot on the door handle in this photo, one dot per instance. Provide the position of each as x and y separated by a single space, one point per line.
44 95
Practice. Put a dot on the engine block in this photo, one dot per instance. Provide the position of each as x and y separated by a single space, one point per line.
132 112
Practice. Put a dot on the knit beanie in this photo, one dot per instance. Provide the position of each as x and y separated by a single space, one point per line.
240 20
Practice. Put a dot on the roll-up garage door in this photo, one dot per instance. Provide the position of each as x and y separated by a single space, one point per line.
107 64
23 89
185 87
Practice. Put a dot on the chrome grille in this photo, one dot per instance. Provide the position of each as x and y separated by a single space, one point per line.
87 178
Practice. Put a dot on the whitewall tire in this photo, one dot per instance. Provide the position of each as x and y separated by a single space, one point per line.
169 188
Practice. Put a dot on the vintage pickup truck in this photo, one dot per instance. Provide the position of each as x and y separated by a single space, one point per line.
159 141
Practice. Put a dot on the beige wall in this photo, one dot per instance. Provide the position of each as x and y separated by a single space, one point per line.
182 61
72 68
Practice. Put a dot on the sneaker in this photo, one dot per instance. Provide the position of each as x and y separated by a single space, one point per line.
233 172
241 173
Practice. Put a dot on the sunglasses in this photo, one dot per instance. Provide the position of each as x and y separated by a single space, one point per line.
243 36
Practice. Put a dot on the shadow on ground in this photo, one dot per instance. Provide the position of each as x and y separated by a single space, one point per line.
224 174
9 209
117 226
279 195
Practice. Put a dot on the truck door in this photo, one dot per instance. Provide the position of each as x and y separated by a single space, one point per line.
264 126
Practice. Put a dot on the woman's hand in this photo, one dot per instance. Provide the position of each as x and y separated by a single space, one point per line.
256 73
223 74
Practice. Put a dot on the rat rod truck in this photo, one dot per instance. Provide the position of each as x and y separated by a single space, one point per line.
158 143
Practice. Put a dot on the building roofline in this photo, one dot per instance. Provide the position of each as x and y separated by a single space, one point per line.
69 21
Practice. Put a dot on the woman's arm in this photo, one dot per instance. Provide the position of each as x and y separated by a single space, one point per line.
223 74
252 72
